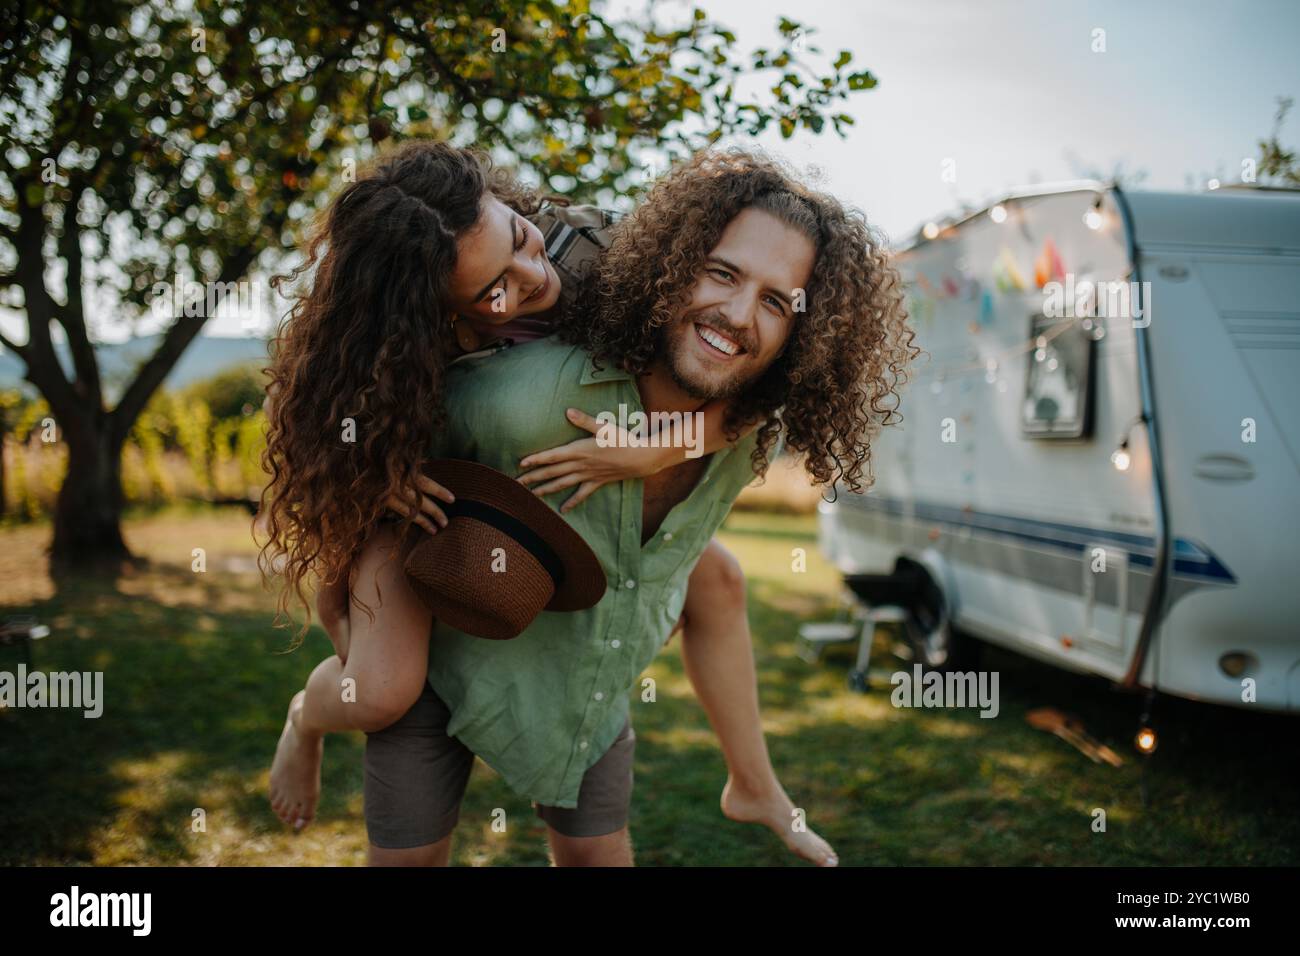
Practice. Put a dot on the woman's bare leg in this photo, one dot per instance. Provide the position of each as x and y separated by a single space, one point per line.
719 656
382 677
332 604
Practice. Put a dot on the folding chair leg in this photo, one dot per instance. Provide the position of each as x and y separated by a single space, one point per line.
865 642
859 679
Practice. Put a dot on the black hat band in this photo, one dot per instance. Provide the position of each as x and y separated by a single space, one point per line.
512 527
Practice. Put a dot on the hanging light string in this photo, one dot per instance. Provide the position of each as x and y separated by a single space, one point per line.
1046 335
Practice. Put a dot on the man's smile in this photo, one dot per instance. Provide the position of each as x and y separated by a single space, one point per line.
716 344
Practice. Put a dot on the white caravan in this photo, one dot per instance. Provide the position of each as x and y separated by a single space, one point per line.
1099 460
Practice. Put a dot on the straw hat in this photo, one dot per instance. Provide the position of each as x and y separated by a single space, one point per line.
504 557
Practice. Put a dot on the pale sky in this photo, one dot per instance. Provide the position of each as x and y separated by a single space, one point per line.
1012 92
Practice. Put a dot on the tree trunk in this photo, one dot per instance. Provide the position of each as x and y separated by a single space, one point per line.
88 515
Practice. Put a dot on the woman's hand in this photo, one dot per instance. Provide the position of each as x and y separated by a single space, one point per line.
588 464
423 504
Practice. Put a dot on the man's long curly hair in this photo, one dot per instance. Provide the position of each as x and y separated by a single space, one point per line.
837 381
364 348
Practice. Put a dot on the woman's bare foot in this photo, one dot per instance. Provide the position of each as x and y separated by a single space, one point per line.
776 811
295 771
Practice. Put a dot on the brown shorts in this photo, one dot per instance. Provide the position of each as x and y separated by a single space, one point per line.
415 778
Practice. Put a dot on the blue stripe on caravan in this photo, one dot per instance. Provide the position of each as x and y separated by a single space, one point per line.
1190 558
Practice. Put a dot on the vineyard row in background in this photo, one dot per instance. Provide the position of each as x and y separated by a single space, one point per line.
205 443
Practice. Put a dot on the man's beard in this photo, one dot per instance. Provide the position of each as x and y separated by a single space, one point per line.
705 388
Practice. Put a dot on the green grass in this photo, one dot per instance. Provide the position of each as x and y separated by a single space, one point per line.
196 682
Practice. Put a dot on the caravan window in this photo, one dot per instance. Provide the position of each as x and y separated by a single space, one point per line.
1058 380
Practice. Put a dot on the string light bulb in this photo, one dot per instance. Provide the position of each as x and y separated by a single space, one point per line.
1146 741
1120 457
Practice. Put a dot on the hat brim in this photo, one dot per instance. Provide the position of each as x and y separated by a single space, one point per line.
583 583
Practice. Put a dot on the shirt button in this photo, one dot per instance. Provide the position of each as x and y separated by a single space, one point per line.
668 536
630 583
615 643
582 745
599 696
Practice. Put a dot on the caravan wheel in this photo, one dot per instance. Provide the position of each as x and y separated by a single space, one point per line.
935 642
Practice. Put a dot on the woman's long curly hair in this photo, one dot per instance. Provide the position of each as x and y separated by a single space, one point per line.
837 381
357 374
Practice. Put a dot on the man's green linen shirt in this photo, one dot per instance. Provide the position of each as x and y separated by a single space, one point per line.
542 708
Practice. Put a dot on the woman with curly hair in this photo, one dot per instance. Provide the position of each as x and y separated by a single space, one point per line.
429 237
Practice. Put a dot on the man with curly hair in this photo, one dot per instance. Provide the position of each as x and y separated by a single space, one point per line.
731 280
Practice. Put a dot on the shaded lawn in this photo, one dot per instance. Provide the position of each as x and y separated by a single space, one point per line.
196 682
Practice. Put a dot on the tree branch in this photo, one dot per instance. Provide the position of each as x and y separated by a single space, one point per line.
164 358
43 369
73 316
29 245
